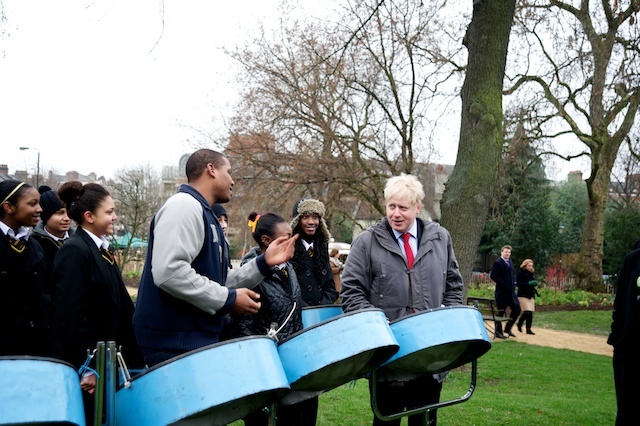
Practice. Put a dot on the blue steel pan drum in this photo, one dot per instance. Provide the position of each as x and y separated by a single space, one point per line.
335 351
213 385
35 390
439 339
312 315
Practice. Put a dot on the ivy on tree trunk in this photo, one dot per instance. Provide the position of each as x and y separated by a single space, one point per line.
472 183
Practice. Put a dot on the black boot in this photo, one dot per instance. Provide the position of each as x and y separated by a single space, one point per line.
529 322
520 322
507 328
498 327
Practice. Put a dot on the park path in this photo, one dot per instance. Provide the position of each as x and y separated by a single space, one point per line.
582 342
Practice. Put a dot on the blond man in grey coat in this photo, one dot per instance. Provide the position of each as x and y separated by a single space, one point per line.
402 265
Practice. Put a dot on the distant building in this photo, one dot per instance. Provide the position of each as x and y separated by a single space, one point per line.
4 173
575 175
173 177
52 179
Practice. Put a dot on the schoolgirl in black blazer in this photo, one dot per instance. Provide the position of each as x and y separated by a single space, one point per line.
92 303
22 271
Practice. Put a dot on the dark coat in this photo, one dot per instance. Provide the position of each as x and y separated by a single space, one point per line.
22 329
625 328
316 288
523 278
50 248
92 303
504 277
278 293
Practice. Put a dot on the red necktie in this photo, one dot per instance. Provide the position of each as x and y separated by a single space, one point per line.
407 249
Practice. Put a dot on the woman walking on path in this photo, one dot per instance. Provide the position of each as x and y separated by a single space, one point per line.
526 283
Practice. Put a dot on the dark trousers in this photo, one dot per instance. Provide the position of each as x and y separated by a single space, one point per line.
513 316
395 397
153 357
626 376
303 413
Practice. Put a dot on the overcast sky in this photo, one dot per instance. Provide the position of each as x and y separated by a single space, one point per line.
100 85
105 84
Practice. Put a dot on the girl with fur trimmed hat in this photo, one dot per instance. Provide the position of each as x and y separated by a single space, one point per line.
311 257
22 270
311 263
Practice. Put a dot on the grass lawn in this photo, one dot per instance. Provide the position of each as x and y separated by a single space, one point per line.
517 384
591 322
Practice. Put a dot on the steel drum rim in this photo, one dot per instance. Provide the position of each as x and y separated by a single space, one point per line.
340 341
321 323
476 337
193 352
36 358
57 401
207 399
439 308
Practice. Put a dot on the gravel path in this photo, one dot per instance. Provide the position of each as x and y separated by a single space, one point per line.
582 342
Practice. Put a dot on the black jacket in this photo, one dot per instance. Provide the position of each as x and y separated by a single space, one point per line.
625 328
278 293
504 277
22 329
523 277
50 248
317 288
92 303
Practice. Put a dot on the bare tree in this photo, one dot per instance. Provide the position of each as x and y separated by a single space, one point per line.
473 181
578 66
137 192
625 179
331 110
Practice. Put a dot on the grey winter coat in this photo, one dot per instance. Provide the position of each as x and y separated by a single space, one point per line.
375 273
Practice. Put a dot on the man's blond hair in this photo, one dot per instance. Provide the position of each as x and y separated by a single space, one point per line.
404 186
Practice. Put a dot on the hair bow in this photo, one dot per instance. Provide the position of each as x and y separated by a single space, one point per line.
253 223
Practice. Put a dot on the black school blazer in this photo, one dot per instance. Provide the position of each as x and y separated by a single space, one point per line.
92 303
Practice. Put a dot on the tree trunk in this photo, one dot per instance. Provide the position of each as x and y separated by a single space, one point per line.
471 185
589 267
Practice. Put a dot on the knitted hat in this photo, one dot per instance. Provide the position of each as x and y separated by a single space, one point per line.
311 206
218 210
49 202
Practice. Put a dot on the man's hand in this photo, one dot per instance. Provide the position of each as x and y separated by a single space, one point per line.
280 250
247 301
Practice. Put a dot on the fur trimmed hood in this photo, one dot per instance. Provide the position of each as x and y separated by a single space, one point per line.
311 206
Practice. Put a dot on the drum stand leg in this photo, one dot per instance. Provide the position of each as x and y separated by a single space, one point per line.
272 415
419 410
99 393
110 383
